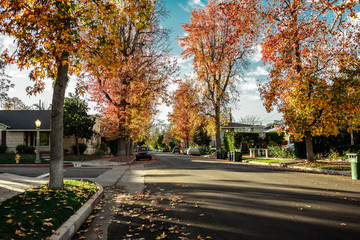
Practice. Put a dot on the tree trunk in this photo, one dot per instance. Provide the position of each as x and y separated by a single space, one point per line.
352 138
56 178
77 145
121 150
217 127
309 147
131 147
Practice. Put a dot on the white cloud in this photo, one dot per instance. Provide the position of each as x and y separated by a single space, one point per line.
256 56
249 84
259 71
191 4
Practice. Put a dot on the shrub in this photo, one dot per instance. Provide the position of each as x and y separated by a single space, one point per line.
25 149
82 148
3 148
100 153
280 152
103 147
333 155
204 150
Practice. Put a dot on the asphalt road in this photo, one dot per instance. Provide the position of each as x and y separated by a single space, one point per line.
197 198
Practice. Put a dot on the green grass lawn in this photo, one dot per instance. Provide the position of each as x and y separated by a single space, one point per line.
38 212
9 158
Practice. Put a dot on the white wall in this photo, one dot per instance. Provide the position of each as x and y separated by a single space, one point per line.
13 139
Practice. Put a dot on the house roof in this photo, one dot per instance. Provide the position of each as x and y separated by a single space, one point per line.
25 119
239 125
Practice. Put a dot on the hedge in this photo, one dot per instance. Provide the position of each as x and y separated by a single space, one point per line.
245 140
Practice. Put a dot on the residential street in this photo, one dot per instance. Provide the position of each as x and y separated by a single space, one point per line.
198 198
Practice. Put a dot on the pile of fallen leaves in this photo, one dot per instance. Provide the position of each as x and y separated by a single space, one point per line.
39 212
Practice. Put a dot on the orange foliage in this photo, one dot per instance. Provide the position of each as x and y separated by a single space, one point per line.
186 115
308 58
219 38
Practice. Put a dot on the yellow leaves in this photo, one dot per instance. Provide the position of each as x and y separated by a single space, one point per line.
162 236
9 221
20 234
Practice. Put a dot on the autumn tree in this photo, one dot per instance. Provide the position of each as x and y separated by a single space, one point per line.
128 86
77 122
186 113
306 53
219 50
52 38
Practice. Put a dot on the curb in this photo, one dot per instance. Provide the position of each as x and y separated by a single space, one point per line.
286 166
69 228
31 165
133 160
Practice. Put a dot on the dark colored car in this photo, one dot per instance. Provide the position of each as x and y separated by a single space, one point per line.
176 150
144 152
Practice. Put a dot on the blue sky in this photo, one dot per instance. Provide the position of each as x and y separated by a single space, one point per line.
179 13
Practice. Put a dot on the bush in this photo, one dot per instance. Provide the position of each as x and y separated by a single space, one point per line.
280 152
204 150
99 153
82 148
3 148
25 149
103 147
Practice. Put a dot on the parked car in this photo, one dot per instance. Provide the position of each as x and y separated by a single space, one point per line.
193 151
144 152
176 150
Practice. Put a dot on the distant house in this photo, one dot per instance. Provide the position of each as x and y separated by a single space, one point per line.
18 127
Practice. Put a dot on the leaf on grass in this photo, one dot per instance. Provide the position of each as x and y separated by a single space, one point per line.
9 221
19 233
48 224
162 236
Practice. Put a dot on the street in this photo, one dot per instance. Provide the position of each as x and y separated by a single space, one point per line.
224 200
190 197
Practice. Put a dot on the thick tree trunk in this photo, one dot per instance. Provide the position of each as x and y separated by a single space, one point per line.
217 127
121 149
309 147
56 179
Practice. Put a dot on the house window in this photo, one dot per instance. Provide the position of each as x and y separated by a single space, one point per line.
44 138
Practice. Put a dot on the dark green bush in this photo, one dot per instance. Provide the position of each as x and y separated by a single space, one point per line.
103 147
204 150
25 149
99 153
82 148
3 148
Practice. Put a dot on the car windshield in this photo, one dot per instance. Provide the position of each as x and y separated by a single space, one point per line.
145 149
